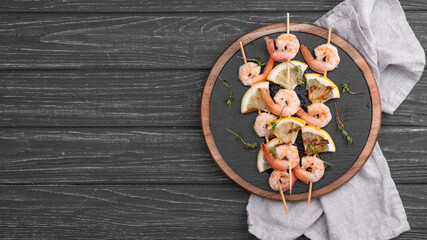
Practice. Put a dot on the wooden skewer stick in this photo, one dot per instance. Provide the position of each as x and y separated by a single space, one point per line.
288 71
309 194
324 74
290 177
266 137
283 197
329 41
288 76
243 52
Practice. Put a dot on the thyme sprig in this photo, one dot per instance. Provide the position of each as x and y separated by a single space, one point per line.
229 99
315 152
273 152
297 70
346 87
345 134
247 145
261 64
273 125
301 81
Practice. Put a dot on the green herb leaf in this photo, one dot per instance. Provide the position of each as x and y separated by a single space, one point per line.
301 81
273 125
258 62
273 152
340 127
315 152
346 87
251 145
229 99
296 69
247 145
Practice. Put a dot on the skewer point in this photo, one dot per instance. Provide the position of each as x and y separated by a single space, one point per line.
243 52
329 35
283 197
309 194
290 178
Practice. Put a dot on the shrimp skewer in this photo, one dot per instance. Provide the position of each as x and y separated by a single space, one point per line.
261 123
316 162
285 104
287 47
288 152
282 178
249 73
318 115
327 58
311 169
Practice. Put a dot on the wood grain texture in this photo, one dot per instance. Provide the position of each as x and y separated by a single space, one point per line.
206 205
143 212
134 41
179 6
101 98
132 98
154 155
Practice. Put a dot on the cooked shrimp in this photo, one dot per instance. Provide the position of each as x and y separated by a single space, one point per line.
289 152
311 170
249 73
287 47
326 58
275 176
261 123
318 115
286 102
290 156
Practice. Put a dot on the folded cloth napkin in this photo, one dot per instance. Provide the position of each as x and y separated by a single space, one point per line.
368 206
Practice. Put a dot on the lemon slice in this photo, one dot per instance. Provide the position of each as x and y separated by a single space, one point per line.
286 129
320 88
262 163
317 140
279 74
252 100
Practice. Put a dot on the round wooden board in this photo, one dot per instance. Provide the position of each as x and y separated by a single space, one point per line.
361 114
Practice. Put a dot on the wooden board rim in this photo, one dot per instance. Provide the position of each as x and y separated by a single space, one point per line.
294 27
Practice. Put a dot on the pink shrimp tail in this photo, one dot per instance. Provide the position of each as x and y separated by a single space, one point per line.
274 162
314 64
301 114
267 71
306 117
300 174
272 106
268 67
267 153
270 45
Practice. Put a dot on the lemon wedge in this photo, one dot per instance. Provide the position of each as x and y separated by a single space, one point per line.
279 74
252 100
286 129
320 88
316 140
262 163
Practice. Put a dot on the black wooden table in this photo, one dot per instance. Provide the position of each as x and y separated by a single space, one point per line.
99 115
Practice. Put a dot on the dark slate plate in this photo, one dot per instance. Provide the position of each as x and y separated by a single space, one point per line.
355 112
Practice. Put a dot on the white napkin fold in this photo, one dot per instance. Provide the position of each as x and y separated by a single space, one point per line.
368 206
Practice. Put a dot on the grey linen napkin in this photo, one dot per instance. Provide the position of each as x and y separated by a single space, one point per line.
368 206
